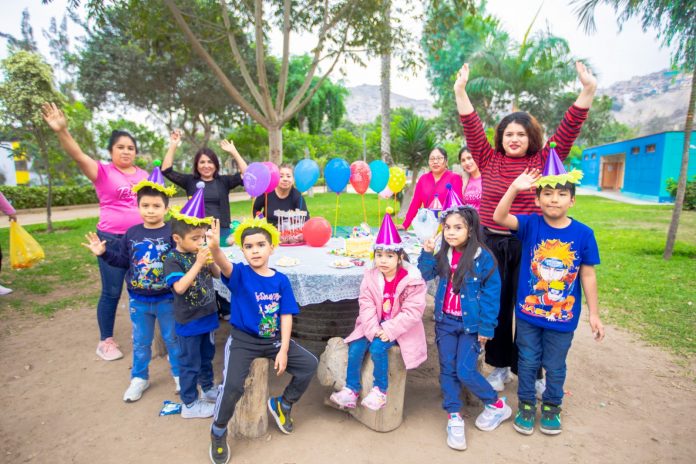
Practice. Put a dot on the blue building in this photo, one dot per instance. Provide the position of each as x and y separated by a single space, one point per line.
638 167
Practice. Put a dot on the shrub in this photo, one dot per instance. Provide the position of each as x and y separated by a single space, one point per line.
23 197
689 196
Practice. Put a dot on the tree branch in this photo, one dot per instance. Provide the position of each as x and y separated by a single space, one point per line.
282 82
261 62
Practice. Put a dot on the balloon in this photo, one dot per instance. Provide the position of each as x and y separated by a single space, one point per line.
380 175
256 179
397 179
386 193
317 231
275 176
360 176
337 174
306 174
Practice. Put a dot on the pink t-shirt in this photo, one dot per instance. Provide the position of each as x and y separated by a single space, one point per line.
390 292
453 304
472 193
118 205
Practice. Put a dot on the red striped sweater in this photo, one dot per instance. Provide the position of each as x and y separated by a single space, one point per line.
498 171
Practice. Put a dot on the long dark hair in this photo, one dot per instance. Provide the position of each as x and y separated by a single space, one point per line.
531 126
473 243
117 134
210 154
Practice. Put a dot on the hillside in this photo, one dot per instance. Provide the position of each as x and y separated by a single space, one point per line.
363 104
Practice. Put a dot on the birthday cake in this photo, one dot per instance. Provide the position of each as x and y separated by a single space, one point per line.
359 244
290 225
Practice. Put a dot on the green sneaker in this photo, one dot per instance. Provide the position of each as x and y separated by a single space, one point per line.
524 420
550 423
219 451
281 414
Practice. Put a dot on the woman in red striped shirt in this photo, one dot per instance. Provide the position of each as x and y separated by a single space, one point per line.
518 146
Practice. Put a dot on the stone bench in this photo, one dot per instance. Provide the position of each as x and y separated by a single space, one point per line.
332 373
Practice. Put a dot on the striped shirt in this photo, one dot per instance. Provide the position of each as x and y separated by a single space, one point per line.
498 171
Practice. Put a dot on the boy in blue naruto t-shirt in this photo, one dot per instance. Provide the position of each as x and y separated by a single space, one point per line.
558 259
262 306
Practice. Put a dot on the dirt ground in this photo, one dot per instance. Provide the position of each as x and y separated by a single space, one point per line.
626 403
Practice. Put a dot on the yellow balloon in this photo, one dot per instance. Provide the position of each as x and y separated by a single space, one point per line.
397 179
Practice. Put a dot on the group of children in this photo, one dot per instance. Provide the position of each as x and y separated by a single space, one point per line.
171 267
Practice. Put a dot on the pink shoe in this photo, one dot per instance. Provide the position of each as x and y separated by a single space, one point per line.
375 400
345 398
108 350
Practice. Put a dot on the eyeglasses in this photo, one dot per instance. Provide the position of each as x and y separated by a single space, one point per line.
436 158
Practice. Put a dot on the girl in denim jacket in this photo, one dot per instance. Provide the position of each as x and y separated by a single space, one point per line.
466 311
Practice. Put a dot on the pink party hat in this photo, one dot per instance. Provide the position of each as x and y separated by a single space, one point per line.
555 173
193 211
452 201
435 205
387 237
156 181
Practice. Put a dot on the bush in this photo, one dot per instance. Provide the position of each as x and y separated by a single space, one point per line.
689 196
23 197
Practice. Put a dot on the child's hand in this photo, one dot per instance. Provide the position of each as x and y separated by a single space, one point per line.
175 138
212 235
526 180
429 245
96 246
281 362
482 341
597 327
228 146
382 336
203 257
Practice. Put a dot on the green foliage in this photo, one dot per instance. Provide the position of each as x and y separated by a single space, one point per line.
150 144
414 142
689 195
23 197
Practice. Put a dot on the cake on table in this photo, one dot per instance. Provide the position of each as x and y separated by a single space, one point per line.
359 244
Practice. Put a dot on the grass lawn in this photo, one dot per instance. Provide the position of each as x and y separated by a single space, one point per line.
638 290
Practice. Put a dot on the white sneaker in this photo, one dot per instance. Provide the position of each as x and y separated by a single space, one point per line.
499 377
135 389
5 290
178 385
540 387
456 438
493 416
199 410
210 395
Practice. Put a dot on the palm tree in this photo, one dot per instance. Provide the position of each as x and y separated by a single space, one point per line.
675 24
414 142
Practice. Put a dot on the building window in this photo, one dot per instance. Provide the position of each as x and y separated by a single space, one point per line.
586 157
650 148
635 150
594 155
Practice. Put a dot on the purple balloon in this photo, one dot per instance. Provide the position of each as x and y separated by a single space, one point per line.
275 176
256 179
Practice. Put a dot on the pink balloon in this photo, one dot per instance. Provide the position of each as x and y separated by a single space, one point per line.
275 176
360 176
386 193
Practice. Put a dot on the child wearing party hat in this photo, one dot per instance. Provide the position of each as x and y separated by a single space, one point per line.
559 255
466 311
189 271
141 250
392 301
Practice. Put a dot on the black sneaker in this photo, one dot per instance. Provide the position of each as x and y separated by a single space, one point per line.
281 414
219 451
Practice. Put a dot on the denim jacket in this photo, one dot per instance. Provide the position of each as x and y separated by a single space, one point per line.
480 301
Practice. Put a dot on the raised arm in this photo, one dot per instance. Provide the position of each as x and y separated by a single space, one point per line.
174 141
212 236
56 120
524 182
589 86
474 133
229 147
464 105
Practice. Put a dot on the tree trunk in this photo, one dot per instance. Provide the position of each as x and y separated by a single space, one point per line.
385 91
408 193
49 199
683 172
275 145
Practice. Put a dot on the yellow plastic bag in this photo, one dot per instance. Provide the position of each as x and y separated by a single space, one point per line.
24 250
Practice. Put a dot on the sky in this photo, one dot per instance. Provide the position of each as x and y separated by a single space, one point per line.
614 55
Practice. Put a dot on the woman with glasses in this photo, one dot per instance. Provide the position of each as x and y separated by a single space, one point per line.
433 184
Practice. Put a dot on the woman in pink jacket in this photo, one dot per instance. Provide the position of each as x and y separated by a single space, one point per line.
392 301
6 208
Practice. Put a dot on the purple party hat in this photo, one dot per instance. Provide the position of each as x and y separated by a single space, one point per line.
193 211
555 173
452 200
435 205
156 181
388 237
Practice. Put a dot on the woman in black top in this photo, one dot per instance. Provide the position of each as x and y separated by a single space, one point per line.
285 197
206 168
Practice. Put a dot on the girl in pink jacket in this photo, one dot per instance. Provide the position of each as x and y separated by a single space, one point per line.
392 301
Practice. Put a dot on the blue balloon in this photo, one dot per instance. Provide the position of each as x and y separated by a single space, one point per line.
380 175
306 174
337 174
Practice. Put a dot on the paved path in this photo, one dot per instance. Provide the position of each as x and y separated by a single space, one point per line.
617 196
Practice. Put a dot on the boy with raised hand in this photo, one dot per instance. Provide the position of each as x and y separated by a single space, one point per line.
261 318
558 258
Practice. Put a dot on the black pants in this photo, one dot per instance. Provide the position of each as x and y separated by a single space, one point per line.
507 249
241 349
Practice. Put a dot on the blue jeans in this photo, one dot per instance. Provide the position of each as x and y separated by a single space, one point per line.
380 358
458 352
143 315
112 283
545 348
195 364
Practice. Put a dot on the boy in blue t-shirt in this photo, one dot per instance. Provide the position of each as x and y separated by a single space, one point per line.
141 251
189 271
558 259
262 305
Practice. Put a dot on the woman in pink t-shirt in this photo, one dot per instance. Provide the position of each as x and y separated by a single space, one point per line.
118 210
471 179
